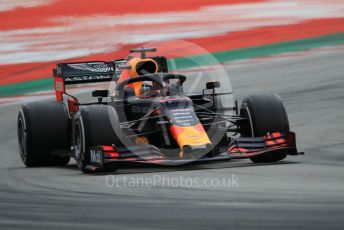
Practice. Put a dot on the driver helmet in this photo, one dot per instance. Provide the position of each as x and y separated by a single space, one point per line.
148 90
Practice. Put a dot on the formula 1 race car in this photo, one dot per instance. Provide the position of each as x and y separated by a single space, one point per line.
146 118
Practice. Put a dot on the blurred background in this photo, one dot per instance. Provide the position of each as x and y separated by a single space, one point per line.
36 34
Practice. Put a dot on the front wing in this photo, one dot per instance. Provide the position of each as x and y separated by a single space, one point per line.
239 148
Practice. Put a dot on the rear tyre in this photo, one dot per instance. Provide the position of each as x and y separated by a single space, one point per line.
264 113
94 125
43 128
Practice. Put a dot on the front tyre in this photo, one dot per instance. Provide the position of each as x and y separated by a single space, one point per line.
264 113
94 125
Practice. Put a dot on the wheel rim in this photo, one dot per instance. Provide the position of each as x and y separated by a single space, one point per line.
22 136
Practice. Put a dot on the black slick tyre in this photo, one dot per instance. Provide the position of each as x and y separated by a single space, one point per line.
264 113
93 126
43 128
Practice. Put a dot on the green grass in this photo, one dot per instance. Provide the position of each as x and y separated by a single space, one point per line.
26 87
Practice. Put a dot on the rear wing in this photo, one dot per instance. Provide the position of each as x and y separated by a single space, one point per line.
85 72
91 72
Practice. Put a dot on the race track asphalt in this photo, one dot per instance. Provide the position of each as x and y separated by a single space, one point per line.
302 192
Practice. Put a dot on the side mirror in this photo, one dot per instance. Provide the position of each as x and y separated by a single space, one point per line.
100 93
213 84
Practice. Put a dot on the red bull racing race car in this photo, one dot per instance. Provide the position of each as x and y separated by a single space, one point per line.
146 118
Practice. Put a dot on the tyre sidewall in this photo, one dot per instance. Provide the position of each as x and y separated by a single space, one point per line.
265 114
95 127
46 128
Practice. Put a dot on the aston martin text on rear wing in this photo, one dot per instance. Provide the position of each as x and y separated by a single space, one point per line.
85 72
